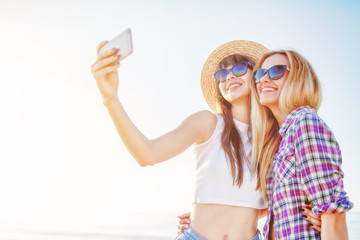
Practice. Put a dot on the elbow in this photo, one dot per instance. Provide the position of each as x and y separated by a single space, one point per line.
144 162
144 158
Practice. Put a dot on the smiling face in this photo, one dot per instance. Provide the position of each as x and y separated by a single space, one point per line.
236 88
269 90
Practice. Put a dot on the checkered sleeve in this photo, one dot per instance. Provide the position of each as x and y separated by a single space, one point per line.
319 160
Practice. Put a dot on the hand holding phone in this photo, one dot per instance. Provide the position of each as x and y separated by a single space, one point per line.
123 41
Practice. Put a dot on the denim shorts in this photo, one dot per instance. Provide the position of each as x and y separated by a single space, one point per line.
190 234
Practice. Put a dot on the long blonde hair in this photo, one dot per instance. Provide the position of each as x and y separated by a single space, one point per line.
301 88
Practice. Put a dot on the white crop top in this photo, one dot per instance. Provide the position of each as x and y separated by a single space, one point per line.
214 182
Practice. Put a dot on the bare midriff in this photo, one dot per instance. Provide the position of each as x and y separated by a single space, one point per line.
216 221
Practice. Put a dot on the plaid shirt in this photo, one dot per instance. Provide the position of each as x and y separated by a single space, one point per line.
305 169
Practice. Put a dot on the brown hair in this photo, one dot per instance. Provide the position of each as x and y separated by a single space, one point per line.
230 139
301 88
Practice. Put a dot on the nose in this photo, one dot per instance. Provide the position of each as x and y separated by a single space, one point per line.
265 78
230 76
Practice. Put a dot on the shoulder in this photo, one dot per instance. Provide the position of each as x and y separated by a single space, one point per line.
311 127
206 122
205 116
204 119
200 120
307 117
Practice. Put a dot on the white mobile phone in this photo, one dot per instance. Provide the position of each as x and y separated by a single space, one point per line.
123 41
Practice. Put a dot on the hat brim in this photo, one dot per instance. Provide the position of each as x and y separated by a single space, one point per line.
209 86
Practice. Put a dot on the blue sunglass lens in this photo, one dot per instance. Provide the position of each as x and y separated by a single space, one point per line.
220 76
239 69
276 72
259 74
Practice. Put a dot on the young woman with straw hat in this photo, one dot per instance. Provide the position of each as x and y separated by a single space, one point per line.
227 203
296 155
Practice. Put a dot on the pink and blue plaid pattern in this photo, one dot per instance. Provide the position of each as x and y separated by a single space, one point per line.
307 168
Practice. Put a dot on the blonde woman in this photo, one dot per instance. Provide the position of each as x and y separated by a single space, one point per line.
296 155
227 204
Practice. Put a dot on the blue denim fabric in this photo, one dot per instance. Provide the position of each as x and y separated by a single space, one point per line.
257 237
190 234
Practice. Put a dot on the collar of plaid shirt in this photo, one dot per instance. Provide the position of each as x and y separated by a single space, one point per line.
291 118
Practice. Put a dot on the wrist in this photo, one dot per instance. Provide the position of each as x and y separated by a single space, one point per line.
110 101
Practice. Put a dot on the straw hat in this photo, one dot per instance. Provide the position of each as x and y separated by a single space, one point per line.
209 86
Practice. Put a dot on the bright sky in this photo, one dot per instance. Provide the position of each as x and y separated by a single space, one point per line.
62 160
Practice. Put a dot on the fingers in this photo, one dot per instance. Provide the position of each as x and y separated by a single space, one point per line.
105 55
184 215
307 211
185 221
99 74
315 220
98 65
100 46
182 227
317 228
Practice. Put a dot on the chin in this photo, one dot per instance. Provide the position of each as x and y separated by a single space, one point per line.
237 95
269 103
266 103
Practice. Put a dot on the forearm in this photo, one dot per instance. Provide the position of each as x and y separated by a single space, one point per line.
137 144
148 152
333 226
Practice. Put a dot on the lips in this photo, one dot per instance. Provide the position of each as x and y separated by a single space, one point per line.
233 85
268 89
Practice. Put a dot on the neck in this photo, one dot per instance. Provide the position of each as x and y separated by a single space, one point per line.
279 115
241 111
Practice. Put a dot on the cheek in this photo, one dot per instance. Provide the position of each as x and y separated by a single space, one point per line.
258 89
222 88
281 86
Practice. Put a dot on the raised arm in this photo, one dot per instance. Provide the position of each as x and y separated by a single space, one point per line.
149 152
196 128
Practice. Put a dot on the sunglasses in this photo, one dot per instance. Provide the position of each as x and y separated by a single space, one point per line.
275 72
238 70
